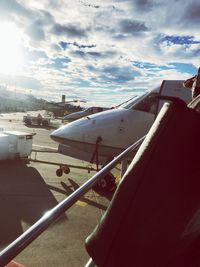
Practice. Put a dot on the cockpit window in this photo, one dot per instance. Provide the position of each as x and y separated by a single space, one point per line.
148 104
139 101
129 103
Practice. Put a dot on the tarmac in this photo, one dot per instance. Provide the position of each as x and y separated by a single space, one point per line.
29 189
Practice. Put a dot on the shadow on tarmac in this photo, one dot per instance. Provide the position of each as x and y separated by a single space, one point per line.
24 198
41 127
69 189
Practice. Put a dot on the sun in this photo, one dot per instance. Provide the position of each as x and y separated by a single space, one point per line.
10 51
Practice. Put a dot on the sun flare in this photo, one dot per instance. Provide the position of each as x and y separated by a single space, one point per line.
10 52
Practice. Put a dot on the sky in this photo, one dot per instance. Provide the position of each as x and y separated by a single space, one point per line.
101 51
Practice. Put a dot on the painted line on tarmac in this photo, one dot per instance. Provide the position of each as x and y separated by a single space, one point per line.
81 203
50 147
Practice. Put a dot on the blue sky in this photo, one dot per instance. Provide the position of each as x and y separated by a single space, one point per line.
100 51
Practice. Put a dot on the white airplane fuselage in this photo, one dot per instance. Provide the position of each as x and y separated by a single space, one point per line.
114 127
111 131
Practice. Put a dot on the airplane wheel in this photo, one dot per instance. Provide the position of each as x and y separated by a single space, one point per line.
59 172
66 169
106 184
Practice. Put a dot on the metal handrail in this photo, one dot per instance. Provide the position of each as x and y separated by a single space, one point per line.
90 263
12 250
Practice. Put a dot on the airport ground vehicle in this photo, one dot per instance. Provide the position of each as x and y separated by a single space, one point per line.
15 144
36 120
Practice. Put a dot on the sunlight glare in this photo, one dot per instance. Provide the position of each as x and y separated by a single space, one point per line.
10 52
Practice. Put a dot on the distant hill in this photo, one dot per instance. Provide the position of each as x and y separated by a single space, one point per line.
15 102
16 105
11 101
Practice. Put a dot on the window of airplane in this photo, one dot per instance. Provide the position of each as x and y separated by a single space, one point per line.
137 99
129 103
148 104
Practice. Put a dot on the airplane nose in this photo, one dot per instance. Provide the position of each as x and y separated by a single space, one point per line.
57 135
67 133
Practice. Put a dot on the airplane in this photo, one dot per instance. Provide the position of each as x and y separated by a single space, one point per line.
60 109
86 112
100 137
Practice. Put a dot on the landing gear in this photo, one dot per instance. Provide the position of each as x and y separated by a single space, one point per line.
105 184
66 169
61 170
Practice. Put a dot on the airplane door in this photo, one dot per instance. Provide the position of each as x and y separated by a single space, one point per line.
174 88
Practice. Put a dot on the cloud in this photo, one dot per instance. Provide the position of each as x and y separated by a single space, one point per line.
36 32
21 81
90 5
60 63
113 74
144 5
65 45
104 48
132 27
191 14
35 55
81 53
12 6
69 30
28 82
119 74
56 4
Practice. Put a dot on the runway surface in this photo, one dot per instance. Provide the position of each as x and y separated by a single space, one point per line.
29 189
